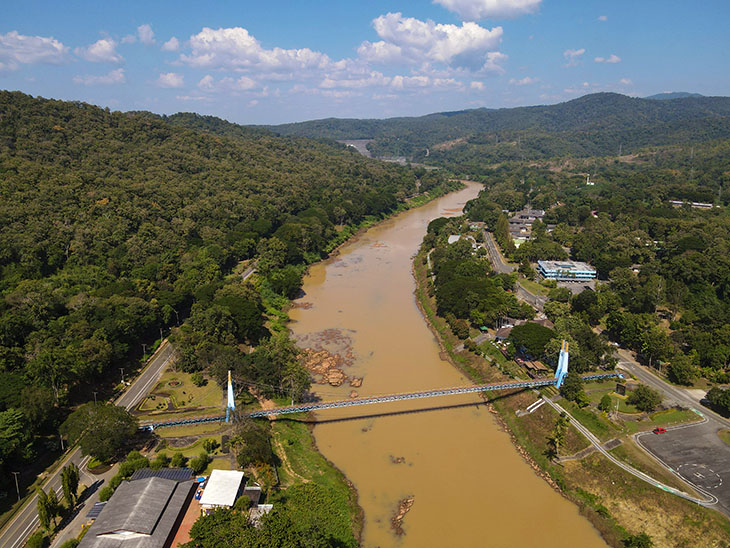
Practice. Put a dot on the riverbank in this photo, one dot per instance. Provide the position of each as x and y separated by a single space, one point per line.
300 460
616 503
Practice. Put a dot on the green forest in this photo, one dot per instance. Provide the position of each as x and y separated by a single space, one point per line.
116 227
600 124
664 270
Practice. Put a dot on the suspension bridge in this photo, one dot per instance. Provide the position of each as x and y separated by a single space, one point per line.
556 381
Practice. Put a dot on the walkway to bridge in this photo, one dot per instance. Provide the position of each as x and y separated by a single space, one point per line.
315 406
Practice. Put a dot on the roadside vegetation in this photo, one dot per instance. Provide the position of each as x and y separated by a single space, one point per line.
621 507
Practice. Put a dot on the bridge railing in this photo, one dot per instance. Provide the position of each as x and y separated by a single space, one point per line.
302 408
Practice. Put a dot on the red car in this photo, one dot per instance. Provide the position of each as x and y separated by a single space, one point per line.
659 430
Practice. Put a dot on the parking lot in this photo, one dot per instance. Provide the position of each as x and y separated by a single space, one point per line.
697 454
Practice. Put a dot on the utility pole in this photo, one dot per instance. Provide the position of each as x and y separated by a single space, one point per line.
61 438
121 370
177 317
16 484
144 350
161 336
95 398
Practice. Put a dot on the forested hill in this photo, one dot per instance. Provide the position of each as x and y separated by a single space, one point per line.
114 224
577 126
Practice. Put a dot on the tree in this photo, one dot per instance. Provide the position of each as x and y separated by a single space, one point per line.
644 398
199 463
557 438
178 460
681 370
70 483
37 540
222 527
642 540
605 403
54 507
101 430
572 387
251 443
45 511
532 337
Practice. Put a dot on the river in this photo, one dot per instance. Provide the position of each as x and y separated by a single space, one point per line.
468 484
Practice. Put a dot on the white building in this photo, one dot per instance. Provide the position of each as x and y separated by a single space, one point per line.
222 489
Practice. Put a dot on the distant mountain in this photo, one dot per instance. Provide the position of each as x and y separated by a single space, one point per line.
673 95
596 124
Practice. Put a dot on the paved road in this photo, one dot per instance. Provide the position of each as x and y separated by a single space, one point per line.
495 256
25 521
536 301
708 500
695 453
673 395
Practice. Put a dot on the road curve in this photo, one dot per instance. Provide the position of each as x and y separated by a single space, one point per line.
708 501
25 521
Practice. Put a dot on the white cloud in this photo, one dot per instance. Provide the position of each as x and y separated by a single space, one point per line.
402 82
611 59
523 81
572 56
371 80
234 48
116 76
173 44
129 39
473 10
479 86
603 17
625 82
101 51
244 83
170 80
18 49
146 35
410 40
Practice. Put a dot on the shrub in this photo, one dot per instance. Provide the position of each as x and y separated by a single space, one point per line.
198 379
645 398
37 540
106 493
199 463
605 404
178 460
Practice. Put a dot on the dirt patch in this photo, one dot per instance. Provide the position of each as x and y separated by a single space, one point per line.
302 305
396 522
325 355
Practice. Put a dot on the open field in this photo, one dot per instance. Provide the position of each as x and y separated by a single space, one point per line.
175 392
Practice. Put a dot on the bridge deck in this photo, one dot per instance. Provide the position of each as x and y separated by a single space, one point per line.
302 408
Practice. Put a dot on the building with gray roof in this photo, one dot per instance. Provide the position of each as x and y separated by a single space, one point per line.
141 514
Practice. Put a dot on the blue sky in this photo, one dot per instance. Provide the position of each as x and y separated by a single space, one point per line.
291 60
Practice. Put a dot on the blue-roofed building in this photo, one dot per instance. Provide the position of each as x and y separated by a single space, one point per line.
566 270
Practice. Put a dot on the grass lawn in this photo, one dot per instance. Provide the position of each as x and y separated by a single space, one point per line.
598 425
669 417
623 407
178 389
533 287
724 436
190 430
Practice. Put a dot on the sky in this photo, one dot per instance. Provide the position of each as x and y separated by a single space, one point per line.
277 61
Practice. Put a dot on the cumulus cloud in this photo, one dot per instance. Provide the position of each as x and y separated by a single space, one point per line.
625 82
101 51
173 44
170 80
603 17
479 86
18 49
523 81
244 83
610 59
473 10
371 80
116 76
146 35
410 40
572 56
236 49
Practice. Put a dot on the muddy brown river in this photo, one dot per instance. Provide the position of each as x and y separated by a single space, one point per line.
468 485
